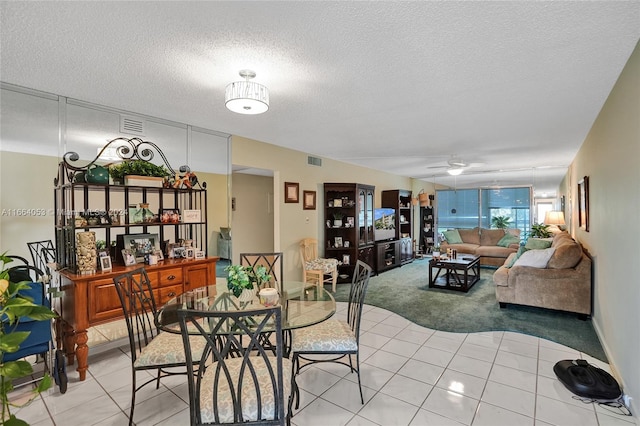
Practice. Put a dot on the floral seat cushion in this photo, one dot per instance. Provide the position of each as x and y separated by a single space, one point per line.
249 400
167 348
325 265
327 336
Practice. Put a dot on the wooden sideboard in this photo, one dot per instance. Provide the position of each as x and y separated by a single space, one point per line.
89 300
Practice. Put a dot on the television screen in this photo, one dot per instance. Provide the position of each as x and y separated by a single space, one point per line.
384 222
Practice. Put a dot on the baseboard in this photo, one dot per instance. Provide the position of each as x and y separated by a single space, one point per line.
634 405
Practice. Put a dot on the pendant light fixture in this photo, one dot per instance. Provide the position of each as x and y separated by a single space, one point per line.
247 97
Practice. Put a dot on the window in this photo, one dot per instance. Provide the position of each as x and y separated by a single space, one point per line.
468 208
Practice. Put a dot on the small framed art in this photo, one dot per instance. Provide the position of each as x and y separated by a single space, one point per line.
199 254
190 252
105 263
179 252
291 192
338 242
345 259
170 216
159 254
191 216
583 203
129 257
309 200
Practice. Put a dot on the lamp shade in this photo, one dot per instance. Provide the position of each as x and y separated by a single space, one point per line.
246 97
554 218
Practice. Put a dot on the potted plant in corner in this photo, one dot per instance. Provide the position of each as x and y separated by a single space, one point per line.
13 307
501 222
243 281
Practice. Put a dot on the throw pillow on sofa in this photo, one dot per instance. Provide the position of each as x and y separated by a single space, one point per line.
535 258
508 239
452 236
521 250
537 244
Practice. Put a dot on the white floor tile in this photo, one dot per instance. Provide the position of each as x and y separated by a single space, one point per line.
424 417
462 383
475 367
451 405
406 389
423 371
519 362
520 348
443 343
316 381
322 413
373 340
387 361
388 411
490 415
561 413
513 377
346 394
478 352
509 398
400 347
434 356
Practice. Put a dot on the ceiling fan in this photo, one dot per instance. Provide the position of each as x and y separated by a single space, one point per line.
455 165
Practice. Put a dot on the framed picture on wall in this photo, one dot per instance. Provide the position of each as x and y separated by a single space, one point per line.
583 203
291 192
309 200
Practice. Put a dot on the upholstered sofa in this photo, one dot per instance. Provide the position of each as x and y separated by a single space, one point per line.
484 243
564 284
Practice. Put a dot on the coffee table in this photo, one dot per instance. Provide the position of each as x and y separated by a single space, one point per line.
459 274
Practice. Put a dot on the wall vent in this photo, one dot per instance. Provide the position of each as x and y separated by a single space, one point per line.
131 125
314 161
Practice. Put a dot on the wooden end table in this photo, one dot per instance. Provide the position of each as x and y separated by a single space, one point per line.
459 274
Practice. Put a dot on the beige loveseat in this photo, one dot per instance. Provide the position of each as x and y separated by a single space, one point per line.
565 283
484 243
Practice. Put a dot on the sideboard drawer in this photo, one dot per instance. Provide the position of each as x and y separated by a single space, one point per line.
170 277
164 294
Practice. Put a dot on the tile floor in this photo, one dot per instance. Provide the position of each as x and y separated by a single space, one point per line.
411 376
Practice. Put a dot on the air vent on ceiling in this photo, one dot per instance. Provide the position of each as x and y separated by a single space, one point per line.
314 161
131 125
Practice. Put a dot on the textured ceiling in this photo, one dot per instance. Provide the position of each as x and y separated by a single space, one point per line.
395 86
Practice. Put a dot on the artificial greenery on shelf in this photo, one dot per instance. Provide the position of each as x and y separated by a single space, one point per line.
13 307
137 168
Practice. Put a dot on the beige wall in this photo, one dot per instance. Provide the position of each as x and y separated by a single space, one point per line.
292 223
26 200
609 156
252 221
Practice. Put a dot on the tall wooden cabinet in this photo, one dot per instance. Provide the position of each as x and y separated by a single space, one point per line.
348 225
400 200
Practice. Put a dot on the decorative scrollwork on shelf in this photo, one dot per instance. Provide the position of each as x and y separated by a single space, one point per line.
126 150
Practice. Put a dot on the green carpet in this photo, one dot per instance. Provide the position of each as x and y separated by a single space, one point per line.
406 292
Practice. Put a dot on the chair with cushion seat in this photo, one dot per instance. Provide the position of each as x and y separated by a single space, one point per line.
250 388
42 253
334 339
151 349
271 261
315 269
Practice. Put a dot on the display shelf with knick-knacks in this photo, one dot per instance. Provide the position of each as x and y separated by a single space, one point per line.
84 204
348 227
428 234
401 201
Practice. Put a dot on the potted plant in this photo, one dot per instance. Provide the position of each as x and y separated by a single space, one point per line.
246 279
136 168
501 222
13 307
337 219
539 230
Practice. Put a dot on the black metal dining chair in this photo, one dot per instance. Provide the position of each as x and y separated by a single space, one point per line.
273 262
151 348
224 387
334 339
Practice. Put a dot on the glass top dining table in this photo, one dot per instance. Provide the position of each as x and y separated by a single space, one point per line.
303 304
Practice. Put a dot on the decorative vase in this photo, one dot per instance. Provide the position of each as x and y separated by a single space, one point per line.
86 252
247 295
